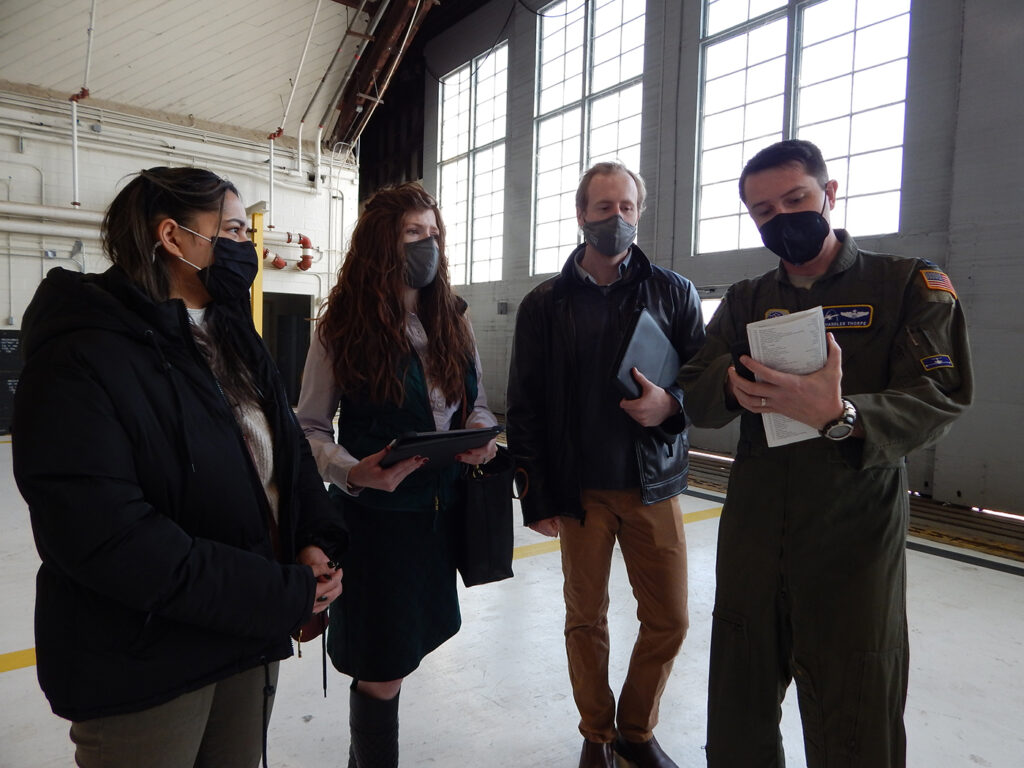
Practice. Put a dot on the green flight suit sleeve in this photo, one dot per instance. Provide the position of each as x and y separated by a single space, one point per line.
931 381
703 377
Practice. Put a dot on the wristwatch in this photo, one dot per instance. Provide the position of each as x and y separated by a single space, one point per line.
841 428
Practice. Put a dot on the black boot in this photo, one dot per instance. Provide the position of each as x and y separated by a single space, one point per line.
374 728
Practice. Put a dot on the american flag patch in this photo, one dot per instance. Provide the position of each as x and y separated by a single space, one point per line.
938 280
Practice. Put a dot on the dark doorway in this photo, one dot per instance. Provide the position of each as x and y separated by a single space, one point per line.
287 319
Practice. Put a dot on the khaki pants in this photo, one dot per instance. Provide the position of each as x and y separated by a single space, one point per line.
654 549
219 726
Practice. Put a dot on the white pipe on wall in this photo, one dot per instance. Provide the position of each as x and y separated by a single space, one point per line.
270 196
33 211
74 153
51 229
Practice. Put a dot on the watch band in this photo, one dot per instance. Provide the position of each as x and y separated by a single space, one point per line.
841 428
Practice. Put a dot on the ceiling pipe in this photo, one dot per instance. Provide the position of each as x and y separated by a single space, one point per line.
370 29
366 114
74 99
319 87
295 84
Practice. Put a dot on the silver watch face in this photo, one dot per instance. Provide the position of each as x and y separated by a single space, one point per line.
839 431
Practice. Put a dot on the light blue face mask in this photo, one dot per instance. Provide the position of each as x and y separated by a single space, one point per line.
610 236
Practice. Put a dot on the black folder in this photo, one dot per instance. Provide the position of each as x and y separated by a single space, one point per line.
646 348
440 447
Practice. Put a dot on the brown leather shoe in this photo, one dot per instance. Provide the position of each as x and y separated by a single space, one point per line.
645 754
596 754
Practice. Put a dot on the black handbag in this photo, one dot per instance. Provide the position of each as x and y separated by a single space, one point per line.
483 546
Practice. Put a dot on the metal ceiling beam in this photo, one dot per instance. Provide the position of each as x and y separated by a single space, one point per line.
367 86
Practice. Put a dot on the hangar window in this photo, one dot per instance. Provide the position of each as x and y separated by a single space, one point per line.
590 63
830 71
472 165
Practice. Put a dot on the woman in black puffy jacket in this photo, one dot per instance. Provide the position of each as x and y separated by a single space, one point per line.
182 525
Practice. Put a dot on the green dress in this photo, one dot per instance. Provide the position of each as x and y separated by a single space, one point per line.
400 599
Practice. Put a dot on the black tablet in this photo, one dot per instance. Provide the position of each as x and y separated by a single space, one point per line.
440 447
646 348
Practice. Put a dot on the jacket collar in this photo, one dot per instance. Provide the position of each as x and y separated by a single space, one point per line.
639 270
843 261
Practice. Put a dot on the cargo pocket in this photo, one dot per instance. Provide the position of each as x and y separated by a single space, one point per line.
871 728
729 682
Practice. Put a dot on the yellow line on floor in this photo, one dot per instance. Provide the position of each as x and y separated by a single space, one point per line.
27 658
703 514
17 659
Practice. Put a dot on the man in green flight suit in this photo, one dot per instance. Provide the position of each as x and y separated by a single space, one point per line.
811 572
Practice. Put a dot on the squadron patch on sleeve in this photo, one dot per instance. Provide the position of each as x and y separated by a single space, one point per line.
848 316
937 280
932 362
770 313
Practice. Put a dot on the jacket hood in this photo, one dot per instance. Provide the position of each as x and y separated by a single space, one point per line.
68 301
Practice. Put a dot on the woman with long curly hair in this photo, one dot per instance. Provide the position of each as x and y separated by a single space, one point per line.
396 353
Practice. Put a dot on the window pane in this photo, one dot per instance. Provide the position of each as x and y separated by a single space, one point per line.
720 199
718 234
825 100
877 129
723 128
723 14
873 215
725 92
767 79
826 60
721 164
875 172
829 19
882 42
870 11
725 57
880 85
832 137
766 42
763 118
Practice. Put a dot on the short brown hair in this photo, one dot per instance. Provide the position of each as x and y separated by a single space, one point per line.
609 168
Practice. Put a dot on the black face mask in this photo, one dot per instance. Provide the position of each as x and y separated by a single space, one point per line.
234 267
796 237
421 260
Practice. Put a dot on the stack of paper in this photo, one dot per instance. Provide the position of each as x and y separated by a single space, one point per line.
792 343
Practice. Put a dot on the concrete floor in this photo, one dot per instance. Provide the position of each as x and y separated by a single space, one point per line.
497 694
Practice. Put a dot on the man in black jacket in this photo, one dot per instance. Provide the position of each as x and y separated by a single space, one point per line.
602 467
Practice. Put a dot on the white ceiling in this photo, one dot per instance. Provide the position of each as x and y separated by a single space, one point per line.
226 62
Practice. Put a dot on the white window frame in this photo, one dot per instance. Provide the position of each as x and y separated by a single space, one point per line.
583 104
470 262
792 13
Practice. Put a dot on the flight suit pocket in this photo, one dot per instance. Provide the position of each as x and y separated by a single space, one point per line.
729 686
874 691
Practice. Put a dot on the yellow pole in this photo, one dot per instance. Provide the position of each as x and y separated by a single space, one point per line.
257 284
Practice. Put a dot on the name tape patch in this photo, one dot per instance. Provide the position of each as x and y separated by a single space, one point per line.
849 315
937 280
932 362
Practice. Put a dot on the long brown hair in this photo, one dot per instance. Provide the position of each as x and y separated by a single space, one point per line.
363 323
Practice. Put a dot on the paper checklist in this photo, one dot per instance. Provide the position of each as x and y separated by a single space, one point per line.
793 343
